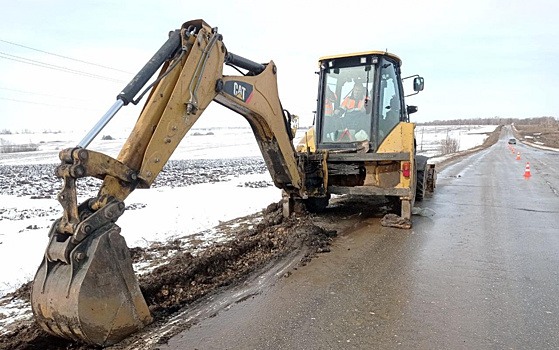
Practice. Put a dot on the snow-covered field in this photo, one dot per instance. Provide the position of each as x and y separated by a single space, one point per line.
469 136
162 213
224 143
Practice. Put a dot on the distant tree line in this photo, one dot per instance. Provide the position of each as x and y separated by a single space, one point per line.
547 121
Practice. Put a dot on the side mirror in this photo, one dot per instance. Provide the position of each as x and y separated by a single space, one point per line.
418 84
412 109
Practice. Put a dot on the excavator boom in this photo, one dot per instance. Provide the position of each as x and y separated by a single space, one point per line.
85 288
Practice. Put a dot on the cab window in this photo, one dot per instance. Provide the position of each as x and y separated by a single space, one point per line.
346 107
390 109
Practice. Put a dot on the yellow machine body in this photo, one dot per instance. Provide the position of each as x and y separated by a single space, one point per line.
85 288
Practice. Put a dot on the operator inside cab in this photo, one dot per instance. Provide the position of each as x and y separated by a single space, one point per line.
360 99
348 118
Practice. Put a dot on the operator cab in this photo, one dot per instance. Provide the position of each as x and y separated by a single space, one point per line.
360 99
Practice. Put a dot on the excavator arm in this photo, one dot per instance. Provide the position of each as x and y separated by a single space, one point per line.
177 102
85 288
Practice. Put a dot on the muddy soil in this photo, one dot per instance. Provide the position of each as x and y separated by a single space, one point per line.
186 277
548 136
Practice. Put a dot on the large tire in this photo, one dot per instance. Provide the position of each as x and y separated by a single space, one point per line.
316 204
420 188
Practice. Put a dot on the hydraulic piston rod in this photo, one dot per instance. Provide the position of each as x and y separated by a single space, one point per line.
101 124
127 95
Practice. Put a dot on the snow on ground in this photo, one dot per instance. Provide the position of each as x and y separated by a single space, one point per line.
168 213
429 138
221 143
174 213
197 144
163 213
13 311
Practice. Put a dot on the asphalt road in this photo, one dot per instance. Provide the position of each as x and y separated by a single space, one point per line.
482 273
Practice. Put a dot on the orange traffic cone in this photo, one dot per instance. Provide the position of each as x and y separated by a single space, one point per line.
518 156
527 171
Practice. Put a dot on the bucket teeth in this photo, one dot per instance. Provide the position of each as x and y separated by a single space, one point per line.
96 297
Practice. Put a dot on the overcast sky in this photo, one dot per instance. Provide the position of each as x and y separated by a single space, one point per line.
480 58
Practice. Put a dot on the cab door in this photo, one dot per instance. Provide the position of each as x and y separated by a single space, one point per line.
391 111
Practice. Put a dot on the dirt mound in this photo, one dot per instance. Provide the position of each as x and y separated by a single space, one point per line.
493 137
23 293
31 336
186 277
393 220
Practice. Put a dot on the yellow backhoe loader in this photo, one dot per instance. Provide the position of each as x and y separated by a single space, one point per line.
86 290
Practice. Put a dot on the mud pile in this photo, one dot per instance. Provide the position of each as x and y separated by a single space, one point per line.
185 277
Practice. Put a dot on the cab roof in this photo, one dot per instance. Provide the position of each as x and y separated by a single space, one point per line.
365 53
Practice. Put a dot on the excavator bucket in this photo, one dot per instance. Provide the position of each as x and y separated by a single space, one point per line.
95 298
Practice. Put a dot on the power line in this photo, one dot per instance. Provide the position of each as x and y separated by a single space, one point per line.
46 104
55 67
52 66
66 57
46 95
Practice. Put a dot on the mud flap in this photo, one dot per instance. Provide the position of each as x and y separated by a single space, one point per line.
96 297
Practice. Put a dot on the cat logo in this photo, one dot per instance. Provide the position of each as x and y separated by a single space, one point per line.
239 89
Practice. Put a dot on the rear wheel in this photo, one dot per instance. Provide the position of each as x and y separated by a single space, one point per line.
420 188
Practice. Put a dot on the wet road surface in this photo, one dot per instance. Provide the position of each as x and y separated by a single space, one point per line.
482 273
